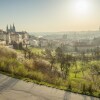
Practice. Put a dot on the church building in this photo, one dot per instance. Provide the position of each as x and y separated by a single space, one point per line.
16 37
11 36
11 29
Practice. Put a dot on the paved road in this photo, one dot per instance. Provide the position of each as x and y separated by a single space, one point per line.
14 89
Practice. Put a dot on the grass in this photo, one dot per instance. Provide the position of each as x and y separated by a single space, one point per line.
37 51
38 71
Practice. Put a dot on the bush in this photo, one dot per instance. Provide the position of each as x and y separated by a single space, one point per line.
2 66
69 86
42 65
90 90
58 81
7 52
29 64
34 75
84 88
21 71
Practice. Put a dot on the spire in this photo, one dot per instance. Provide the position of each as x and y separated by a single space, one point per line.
14 28
7 28
11 29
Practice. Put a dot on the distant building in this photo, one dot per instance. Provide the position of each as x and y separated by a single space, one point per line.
10 36
18 37
96 41
3 35
11 29
42 42
65 37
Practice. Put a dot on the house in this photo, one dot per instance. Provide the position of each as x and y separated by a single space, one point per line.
3 35
43 42
33 43
16 38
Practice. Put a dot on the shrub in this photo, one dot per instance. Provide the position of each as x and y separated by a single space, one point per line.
90 90
36 75
42 65
2 66
29 64
21 71
83 88
7 52
58 81
69 86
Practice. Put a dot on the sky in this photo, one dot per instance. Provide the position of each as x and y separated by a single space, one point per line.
50 15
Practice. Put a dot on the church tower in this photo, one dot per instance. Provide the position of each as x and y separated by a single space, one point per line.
14 30
10 28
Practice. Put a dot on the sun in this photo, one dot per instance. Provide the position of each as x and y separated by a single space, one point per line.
81 7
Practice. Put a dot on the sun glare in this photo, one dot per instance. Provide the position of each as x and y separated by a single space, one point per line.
81 7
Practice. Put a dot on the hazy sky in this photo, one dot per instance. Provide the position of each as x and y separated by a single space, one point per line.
50 15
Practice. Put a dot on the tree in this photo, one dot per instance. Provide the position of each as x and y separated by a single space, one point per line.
50 56
52 61
66 62
66 69
97 53
59 54
76 69
15 45
25 53
95 69
48 53
20 46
